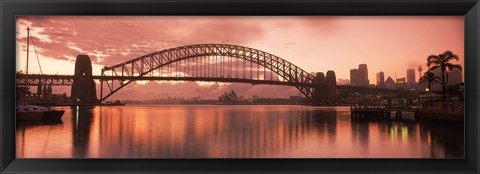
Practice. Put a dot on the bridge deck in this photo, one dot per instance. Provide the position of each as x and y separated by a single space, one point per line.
67 80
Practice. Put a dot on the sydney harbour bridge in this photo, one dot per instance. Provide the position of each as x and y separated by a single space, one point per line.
200 62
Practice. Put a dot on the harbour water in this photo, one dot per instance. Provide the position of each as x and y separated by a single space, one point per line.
233 131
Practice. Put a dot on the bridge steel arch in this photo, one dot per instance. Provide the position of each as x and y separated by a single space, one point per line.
126 72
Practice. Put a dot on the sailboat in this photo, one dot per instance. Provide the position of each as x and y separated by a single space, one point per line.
25 111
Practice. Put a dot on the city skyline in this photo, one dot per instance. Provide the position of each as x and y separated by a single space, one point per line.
340 41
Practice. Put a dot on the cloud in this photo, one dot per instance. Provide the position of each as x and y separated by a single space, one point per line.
324 25
112 40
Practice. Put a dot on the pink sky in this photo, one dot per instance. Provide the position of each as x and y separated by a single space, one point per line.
390 44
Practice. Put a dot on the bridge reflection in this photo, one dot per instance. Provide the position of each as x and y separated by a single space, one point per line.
233 132
82 121
210 132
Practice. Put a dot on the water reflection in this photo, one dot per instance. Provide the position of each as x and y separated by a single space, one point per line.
29 142
443 138
234 132
82 119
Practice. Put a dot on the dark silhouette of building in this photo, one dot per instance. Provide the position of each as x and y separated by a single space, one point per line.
331 86
320 91
83 88
46 92
401 83
359 77
354 77
229 98
363 71
380 79
389 83
412 84
454 77
325 90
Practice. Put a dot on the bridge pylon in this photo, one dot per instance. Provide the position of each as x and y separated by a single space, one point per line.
83 88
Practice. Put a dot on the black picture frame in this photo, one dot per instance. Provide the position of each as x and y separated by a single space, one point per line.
11 8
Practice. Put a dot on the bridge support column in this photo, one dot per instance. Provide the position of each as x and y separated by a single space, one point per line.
83 88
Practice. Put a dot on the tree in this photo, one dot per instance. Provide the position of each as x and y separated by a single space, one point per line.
442 62
430 78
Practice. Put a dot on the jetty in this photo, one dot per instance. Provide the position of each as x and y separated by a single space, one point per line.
379 112
451 112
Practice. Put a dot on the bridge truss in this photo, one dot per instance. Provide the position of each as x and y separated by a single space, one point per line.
43 79
209 62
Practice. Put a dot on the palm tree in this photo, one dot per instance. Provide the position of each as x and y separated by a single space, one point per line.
430 78
442 61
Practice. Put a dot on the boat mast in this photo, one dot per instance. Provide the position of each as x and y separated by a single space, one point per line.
28 46
26 72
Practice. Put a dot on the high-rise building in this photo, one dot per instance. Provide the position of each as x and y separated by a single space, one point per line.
380 80
359 77
354 77
325 90
331 86
454 77
320 91
363 71
411 79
